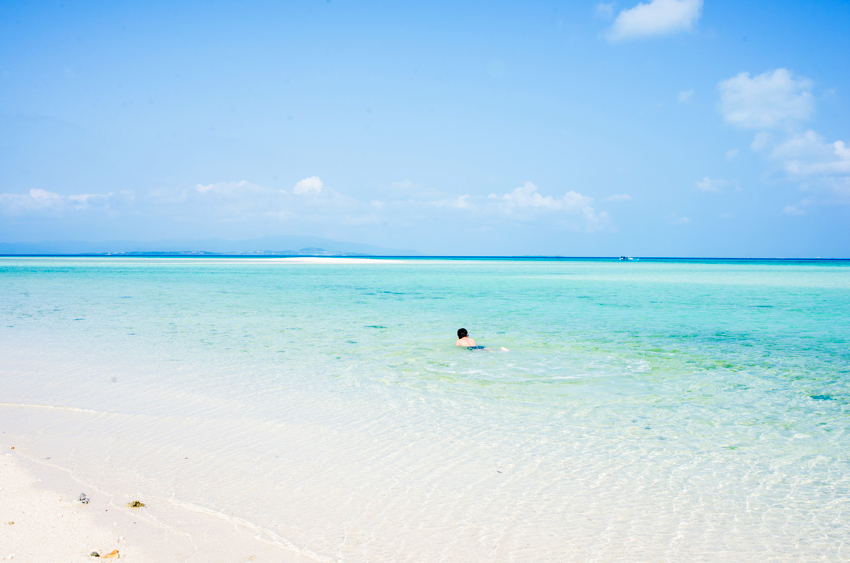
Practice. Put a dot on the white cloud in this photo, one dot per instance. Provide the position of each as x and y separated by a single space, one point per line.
35 200
659 17
766 101
527 196
39 200
819 167
245 207
243 202
731 154
793 210
619 197
779 100
85 201
713 185
42 198
809 154
685 96
525 202
572 211
309 185
242 190
596 221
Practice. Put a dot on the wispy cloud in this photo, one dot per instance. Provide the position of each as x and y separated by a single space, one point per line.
86 201
605 10
232 190
43 201
246 207
460 202
685 96
714 185
619 197
403 185
658 17
676 219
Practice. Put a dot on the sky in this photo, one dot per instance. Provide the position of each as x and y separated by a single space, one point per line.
576 128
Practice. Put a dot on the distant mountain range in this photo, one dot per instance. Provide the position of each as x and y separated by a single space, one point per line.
263 246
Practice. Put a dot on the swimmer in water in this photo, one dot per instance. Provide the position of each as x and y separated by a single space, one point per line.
463 339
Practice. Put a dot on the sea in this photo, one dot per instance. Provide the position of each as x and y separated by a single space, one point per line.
646 410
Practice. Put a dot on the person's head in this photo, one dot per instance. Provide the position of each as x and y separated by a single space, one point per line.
461 333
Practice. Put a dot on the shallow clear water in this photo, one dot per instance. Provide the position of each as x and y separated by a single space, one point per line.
669 410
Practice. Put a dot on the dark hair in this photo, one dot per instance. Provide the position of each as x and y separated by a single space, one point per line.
461 333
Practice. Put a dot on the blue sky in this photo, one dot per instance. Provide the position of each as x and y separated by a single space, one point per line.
671 127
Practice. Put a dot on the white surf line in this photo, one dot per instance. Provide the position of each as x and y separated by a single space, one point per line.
54 407
275 538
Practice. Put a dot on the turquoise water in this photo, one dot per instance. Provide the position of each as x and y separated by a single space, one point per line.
669 410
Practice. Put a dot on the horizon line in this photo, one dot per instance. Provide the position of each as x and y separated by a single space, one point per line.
206 254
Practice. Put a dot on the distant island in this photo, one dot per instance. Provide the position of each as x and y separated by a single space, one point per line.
311 251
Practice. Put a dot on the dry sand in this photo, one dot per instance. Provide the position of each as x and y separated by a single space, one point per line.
42 521
39 524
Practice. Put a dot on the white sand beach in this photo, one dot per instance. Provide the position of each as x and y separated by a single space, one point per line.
42 520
